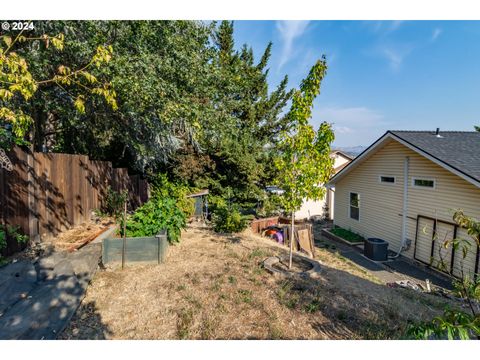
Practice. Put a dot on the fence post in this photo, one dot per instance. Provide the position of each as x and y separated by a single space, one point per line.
33 230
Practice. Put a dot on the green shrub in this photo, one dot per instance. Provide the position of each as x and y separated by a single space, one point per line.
156 214
11 231
164 188
270 206
216 202
114 203
229 220
452 325
3 239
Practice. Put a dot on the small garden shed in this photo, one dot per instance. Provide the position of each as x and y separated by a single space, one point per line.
201 204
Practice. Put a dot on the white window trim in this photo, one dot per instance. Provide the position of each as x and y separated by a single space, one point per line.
424 178
387 183
349 206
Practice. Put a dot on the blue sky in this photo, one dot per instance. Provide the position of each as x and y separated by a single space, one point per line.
400 75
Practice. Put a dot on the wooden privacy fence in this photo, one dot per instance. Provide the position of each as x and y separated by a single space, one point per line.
46 193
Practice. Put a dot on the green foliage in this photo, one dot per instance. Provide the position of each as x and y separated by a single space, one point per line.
11 232
347 234
115 203
452 325
164 188
3 239
187 102
155 215
19 238
216 202
19 84
304 160
229 219
239 126
467 288
271 205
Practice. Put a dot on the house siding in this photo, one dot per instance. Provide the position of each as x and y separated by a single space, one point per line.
381 204
311 208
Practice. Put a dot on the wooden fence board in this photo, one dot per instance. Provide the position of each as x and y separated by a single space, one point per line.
49 193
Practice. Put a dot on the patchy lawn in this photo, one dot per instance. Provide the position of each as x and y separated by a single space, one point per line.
213 287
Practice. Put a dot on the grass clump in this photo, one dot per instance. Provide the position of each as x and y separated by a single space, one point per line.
184 322
245 296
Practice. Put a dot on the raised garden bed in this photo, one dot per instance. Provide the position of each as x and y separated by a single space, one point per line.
151 249
343 235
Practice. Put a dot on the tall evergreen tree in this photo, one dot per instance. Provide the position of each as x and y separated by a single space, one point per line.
247 120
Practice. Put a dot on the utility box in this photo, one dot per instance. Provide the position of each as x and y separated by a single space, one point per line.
376 249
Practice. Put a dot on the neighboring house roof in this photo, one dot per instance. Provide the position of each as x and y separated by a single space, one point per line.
274 189
341 153
456 151
200 193
339 168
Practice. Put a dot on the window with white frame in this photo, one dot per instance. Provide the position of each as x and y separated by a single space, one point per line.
385 179
423 183
355 206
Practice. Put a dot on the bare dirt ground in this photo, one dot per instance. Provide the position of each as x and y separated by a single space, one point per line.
214 287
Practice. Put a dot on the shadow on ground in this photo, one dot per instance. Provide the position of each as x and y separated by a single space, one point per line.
37 300
86 324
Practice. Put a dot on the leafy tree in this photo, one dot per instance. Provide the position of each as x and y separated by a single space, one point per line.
246 120
160 73
19 83
189 103
304 160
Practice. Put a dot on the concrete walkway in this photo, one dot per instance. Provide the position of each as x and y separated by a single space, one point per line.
390 271
37 300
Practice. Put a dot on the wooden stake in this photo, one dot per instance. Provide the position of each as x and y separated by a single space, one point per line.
292 237
124 233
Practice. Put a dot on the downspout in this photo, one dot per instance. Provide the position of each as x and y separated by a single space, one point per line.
406 164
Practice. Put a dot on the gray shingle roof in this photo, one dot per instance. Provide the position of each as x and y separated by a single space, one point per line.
458 149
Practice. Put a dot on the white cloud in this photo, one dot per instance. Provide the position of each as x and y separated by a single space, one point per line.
342 129
352 125
395 54
350 116
394 58
436 33
384 27
394 25
290 30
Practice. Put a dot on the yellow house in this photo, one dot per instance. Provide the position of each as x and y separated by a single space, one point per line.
404 189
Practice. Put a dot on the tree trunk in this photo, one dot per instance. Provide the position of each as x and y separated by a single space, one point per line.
292 239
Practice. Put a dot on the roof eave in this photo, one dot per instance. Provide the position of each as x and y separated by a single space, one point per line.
389 135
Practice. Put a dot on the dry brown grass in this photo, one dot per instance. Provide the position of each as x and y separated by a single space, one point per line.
213 287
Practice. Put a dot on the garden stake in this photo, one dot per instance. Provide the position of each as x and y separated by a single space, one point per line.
124 233
158 252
